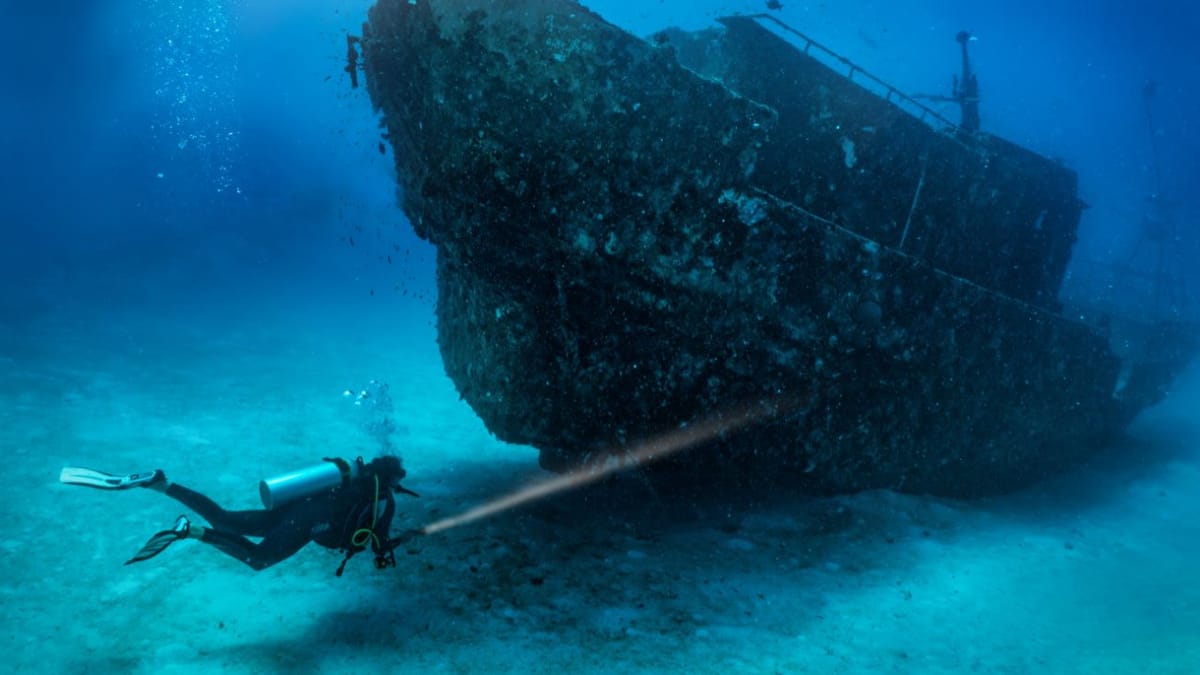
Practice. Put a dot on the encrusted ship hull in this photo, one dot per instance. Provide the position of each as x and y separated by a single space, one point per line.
626 244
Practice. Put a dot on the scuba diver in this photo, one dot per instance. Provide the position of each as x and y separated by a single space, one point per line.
340 505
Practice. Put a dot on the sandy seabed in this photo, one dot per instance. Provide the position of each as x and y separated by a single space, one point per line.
1094 572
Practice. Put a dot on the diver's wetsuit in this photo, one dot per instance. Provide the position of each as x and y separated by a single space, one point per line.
331 519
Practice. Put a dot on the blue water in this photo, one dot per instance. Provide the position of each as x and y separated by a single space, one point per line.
202 251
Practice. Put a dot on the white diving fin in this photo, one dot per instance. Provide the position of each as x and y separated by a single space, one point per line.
75 475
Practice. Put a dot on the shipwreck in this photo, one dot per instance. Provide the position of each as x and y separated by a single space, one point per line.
633 234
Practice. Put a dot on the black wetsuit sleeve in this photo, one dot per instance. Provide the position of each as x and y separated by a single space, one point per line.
402 539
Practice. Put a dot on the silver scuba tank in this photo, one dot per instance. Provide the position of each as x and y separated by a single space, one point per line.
289 487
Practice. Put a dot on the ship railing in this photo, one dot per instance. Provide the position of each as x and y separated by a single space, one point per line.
855 73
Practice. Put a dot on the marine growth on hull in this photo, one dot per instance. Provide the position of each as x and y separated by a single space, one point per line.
638 234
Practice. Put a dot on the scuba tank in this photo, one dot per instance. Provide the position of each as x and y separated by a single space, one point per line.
309 481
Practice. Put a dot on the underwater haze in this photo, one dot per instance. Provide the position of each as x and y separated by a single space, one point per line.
205 270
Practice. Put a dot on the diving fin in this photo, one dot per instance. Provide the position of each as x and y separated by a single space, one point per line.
74 475
161 540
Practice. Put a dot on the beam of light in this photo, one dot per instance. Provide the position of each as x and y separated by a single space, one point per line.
644 452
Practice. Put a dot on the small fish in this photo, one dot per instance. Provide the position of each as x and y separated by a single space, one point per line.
351 240
382 148
774 5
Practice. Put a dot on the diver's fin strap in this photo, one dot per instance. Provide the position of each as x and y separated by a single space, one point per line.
77 475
